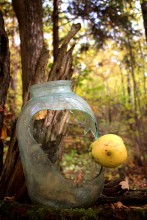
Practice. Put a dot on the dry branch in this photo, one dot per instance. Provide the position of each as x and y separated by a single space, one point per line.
52 134
12 178
59 68
132 197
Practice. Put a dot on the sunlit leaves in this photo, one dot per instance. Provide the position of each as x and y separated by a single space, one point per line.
105 19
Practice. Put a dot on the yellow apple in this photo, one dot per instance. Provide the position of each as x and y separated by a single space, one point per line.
109 150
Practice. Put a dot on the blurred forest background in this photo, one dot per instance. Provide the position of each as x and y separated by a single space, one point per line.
109 69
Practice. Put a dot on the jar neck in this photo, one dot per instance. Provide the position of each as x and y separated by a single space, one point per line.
52 87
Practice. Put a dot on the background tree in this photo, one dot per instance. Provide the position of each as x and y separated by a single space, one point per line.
105 19
4 82
144 14
55 28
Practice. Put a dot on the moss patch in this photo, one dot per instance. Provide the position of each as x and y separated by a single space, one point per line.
14 210
50 213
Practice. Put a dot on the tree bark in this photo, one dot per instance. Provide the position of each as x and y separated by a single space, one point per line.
132 197
33 56
144 14
29 15
14 70
4 79
55 28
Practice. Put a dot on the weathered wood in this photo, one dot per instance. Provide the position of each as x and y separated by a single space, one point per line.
52 129
63 57
116 187
132 197
10 162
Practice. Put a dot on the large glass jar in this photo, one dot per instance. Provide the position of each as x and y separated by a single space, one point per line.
54 131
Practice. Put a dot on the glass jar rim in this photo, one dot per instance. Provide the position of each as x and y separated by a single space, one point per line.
51 83
56 86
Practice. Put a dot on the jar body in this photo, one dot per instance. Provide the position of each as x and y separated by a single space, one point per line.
44 182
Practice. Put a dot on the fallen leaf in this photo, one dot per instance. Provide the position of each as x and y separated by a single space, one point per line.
40 115
3 134
124 184
119 205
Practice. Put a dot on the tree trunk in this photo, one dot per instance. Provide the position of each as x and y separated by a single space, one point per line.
12 179
33 57
14 70
29 15
55 29
4 79
144 14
